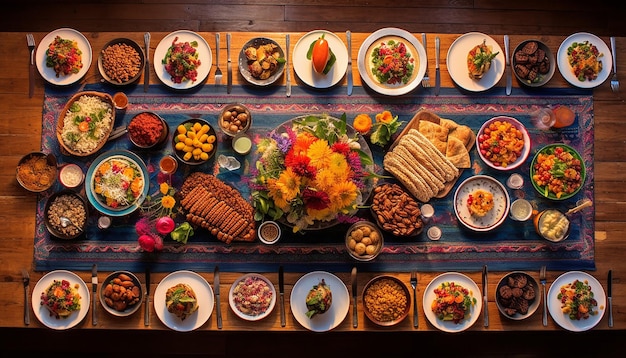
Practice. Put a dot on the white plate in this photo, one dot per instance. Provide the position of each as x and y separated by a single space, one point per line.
365 66
48 72
457 62
495 216
43 314
204 295
554 304
430 296
204 54
338 309
247 317
566 69
303 67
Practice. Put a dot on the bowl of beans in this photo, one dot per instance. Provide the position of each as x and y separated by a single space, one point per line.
386 300
147 130
121 293
70 205
235 118
121 62
503 143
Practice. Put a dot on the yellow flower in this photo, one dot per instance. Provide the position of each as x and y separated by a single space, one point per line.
289 183
342 195
164 188
320 153
362 123
338 165
168 202
321 215
385 117
277 195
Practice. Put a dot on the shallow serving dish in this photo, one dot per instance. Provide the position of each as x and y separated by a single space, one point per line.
36 171
132 76
244 62
510 300
396 298
252 297
524 142
70 204
524 61
189 125
127 304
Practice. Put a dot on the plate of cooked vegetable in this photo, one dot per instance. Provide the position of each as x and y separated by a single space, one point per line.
475 62
584 60
320 59
576 301
63 56
60 299
182 60
319 301
450 302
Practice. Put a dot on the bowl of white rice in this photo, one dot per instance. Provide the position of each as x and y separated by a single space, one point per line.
85 123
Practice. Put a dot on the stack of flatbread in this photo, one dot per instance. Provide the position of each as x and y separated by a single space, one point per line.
429 154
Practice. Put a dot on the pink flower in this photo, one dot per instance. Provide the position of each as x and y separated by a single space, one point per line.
143 226
147 242
165 225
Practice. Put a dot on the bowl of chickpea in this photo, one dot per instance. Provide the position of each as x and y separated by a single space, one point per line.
235 118
121 62
194 142
364 241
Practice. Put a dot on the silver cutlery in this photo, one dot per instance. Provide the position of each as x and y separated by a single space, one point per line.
281 292
65 222
614 81
30 41
413 281
426 79
609 294
26 281
229 66
287 71
542 279
146 71
349 38
146 315
437 74
94 301
218 304
355 312
509 79
218 72
485 300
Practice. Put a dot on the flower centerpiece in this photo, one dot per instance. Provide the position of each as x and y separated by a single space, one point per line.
311 172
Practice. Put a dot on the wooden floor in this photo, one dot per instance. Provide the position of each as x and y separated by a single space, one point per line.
532 17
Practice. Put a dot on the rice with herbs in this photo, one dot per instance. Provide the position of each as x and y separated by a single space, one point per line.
87 123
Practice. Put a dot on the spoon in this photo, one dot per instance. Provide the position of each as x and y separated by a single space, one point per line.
585 204
66 221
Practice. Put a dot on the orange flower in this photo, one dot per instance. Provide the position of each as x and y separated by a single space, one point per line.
362 123
384 117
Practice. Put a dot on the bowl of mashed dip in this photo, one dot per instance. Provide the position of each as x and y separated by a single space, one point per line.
71 175
552 225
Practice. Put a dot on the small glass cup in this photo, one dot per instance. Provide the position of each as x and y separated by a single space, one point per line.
168 164
515 181
521 210
104 222
427 211
120 100
434 233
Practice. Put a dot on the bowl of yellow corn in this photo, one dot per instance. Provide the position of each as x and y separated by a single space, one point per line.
194 141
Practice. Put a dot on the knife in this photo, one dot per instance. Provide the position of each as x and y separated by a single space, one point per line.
94 287
349 37
146 316
281 292
229 66
609 285
355 313
216 283
485 307
437 74
508 65
146 70
287 67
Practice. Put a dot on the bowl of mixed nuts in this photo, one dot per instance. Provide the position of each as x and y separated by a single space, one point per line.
396 211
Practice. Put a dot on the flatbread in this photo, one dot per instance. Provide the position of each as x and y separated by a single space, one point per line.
463 133
457 153
436 134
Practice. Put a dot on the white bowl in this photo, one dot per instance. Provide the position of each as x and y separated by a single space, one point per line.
525 149
249 287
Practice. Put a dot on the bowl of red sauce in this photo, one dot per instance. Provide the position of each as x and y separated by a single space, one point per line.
147 130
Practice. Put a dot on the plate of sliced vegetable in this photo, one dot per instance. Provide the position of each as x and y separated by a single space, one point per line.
557 171
63 56
576 301
392 61
584 60
182 60
450 302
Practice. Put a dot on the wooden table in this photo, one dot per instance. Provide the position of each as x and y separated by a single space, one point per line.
20 128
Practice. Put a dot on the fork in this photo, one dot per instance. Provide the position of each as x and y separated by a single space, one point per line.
426 79
542 279
218 72
414 286
614 81
26 281
30 41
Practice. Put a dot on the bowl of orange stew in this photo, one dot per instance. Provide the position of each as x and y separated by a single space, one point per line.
147 130
503 143
557 171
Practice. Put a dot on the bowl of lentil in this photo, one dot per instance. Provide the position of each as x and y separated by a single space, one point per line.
37 171
66 203
147 130
121 62
386 300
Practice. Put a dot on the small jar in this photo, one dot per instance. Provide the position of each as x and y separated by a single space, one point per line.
120 100
242 144
269 232
434 233
427 211
104 222
515 181
168 164
521 210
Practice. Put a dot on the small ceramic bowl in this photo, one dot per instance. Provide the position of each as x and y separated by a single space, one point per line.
37 171
71 175
252 297
517 295
178 137
364 241
235 118
269 232
386 300
533 63
147 130
484 140
249 62
124 304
